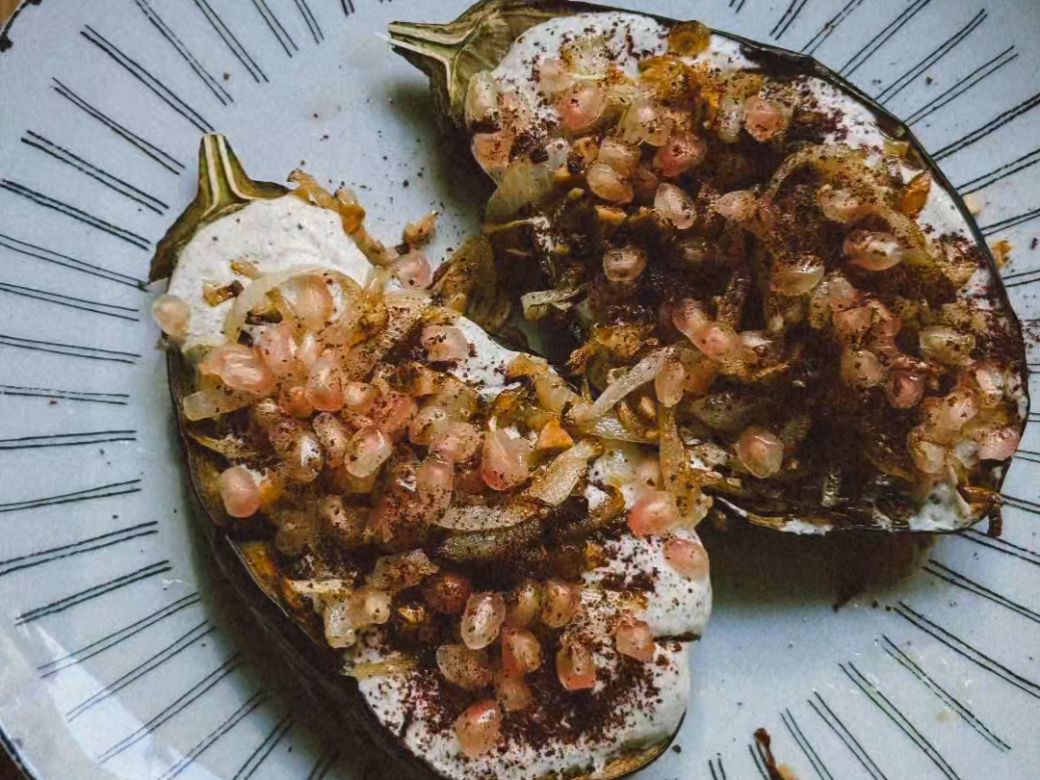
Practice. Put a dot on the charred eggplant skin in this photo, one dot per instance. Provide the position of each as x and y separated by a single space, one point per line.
251 565
480 38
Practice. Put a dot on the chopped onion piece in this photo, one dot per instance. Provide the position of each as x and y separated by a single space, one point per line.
641 373
945 345
873 250
561 477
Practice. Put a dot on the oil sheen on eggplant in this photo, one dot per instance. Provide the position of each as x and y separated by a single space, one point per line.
510 44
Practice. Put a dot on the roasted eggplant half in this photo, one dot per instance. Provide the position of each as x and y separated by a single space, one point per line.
489 588
737 236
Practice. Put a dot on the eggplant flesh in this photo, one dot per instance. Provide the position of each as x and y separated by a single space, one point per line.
246 553
869 487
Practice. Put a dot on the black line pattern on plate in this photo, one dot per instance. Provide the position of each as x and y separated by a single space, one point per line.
871 47
755 749
1010 222
716 764
311 20
77 214
883 703
966 650
965 714
264 749
99 542
90 494
211 83
1027 160
65 261
165 159
116 637
323 764
21 391
1027 455
806 747
275 26
186 699
1021 503
154 661
962 85
69 302
783 24
828 716
210 739
348 7
154 85
93 592
111 181
830 26
930 59
1001 545
947 574
989 127
1021 278
67 439
69 350
231 41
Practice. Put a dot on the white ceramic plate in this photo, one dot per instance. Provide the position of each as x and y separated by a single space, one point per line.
122 656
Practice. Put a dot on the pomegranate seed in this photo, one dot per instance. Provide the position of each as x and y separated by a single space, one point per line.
873 250
737 206
466 668
904 389
839 205
324 386
670 382
310 300
521 652
491 151
680 152
444 343
414 271
582 106
675 206
479 728
240 368
433 483
763 119
861 368
513 693
393 412
504 462
760 452
654 513
998 444
560 601
458 442
575 666
632 637
620 156
525 602
369 449
277 348
359 397
173 315
239 492
608 184
482 619
624 265
688 557
333 438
